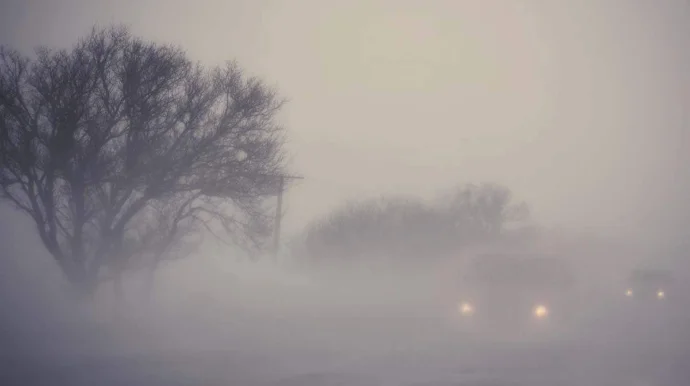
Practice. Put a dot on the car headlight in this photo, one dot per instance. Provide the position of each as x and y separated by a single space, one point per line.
629 292
466 308
660 294
540 311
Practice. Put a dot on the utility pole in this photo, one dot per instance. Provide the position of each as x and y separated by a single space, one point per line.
279 212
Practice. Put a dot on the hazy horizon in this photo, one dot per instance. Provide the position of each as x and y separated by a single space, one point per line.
554 100
578 107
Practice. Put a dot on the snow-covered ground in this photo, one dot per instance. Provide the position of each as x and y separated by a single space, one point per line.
264 329
441 362
255 347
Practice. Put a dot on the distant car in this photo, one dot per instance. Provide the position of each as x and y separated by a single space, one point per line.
649 285
509 292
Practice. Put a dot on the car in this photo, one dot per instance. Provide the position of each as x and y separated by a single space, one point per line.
516 293
647 304
649 285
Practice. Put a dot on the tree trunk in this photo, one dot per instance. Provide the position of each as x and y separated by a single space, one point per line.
118 287
83 291
118 295
150 281
82 286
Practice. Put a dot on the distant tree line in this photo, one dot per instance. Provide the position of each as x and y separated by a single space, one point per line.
409 228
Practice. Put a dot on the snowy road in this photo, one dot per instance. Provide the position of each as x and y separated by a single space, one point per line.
356 348
440 359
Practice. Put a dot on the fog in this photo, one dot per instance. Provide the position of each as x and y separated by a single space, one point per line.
215 320
578 108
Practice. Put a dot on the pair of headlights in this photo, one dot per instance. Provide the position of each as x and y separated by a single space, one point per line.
660 294
539 311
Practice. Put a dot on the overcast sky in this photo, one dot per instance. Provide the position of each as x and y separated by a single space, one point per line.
578 106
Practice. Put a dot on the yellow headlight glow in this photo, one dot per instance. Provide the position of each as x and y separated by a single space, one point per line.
466 308
660 294
629 293
540 311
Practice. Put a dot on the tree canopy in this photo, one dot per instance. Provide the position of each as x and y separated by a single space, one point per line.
120 149
404 228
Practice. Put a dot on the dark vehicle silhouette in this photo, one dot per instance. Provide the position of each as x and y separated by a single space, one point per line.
651 286
513 293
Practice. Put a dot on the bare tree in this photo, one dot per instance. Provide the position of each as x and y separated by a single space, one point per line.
480 213
118 148
377 227
404 229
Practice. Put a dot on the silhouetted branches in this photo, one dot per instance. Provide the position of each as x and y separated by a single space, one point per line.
401 228
118 148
